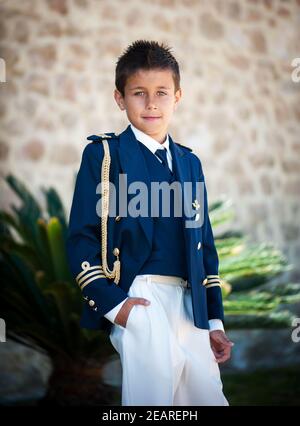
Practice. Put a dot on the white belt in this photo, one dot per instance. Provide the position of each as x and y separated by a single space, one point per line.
163 279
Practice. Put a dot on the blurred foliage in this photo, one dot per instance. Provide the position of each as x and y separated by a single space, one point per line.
243 264
39 298
245 270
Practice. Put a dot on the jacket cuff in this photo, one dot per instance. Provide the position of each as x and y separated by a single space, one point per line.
216 324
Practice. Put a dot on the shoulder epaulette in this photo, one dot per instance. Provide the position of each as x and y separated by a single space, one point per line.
183 146
101 136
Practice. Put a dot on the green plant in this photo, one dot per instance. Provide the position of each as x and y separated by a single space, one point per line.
244 269
39 298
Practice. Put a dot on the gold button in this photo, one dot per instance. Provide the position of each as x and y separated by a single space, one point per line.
199 245
117 218
196 205
91 303
116 251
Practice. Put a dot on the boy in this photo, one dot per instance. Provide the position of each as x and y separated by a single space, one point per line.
161 303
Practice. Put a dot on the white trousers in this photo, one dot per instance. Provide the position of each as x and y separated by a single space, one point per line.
165 358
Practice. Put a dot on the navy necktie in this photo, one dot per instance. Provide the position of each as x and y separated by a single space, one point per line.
162 154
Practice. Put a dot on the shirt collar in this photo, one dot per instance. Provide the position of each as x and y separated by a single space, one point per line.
149 142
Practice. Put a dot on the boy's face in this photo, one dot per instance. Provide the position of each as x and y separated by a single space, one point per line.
150 101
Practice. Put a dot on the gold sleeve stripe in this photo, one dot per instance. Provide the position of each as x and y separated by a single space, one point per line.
213 285
91 279
213 280
88 275
86 269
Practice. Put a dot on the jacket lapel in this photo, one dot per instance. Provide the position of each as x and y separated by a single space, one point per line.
181 166
134 166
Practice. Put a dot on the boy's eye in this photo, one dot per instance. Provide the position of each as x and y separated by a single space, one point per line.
160 92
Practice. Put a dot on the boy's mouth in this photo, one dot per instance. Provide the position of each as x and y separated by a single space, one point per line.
151 118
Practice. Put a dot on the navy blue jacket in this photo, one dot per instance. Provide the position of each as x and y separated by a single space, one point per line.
132 237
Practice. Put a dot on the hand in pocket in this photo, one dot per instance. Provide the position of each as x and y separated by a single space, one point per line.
124 312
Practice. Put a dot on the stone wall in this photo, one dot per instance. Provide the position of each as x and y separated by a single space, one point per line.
240 109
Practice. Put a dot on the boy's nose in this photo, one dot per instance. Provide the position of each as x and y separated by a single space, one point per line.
151 105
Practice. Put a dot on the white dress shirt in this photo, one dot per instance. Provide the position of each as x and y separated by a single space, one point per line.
153 145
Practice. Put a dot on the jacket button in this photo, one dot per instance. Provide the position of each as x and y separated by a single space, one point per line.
197 217
199 245
196 205
91 303
116 251
117 218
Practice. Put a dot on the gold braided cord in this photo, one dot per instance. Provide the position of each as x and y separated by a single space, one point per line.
116 272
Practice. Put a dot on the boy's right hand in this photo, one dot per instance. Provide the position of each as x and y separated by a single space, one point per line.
123 314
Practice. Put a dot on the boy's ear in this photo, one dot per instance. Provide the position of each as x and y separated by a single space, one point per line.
178 95
119 99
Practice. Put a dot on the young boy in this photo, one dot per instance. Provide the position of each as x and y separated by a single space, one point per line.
161 302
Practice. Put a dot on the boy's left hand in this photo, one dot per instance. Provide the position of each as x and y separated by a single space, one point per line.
221 345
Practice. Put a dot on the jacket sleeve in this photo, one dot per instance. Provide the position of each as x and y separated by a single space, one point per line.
84 237
211 266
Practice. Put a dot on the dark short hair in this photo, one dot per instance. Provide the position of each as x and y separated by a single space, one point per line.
145 55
